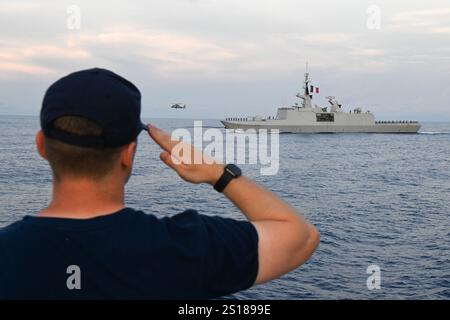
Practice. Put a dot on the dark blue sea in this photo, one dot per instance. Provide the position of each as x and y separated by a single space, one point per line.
377 199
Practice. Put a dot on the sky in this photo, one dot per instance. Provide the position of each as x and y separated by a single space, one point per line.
232 58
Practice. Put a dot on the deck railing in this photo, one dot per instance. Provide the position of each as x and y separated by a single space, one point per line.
376 122
395 122
250 119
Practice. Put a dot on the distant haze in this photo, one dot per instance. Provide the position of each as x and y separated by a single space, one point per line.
234 57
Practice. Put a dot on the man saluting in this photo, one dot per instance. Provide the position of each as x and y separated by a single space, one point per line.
90 121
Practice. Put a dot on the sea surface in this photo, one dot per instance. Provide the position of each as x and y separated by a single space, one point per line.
377 199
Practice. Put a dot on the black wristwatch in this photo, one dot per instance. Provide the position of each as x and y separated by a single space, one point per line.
230 172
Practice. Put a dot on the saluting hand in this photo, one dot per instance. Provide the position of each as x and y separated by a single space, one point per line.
192 165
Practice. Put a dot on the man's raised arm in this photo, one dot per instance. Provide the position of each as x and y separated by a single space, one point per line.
286 239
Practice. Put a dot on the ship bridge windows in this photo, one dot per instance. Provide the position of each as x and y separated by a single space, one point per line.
325 117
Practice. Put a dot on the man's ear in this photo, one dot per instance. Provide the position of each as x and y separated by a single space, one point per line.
128 154
40 144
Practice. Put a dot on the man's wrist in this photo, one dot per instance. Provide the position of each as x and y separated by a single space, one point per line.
230 172
216 173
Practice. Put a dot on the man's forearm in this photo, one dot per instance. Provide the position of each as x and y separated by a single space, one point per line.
286 239
258 203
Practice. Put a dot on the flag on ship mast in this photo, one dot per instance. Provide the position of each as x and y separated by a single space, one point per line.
313 90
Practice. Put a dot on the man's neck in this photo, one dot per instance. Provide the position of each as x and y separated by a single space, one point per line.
84 199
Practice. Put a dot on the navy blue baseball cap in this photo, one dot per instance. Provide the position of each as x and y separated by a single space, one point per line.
99 95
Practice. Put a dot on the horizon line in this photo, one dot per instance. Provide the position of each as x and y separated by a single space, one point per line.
159 117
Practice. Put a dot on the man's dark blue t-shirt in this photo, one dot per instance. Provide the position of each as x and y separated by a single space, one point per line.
127 255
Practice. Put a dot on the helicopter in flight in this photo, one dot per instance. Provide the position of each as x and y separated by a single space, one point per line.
178 106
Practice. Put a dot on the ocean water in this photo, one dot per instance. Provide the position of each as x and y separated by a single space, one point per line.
376 199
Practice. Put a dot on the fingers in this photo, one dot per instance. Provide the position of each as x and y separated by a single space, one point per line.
162 138
167 159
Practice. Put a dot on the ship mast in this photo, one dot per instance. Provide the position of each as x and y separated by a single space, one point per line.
306 96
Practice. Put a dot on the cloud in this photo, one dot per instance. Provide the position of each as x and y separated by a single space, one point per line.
168 53
431 21
337 38
251 51
17 7
422 14
368 52
25 68
36 58
439 30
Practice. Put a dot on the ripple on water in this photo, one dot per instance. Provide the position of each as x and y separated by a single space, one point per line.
376 199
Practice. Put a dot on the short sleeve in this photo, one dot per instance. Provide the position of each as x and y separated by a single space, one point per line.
231 262
2 278
227 251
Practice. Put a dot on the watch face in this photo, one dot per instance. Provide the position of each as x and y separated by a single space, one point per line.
234 170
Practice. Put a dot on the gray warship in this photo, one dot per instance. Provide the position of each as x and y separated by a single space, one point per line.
306 118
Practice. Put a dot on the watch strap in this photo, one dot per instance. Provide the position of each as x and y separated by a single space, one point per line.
225 179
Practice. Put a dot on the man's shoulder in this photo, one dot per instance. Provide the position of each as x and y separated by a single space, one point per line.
183 224
11 230
190 222
13 236
141 217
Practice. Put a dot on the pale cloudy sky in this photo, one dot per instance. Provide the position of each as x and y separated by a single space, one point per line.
235 57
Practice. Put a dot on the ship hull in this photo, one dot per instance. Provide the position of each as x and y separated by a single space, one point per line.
322 128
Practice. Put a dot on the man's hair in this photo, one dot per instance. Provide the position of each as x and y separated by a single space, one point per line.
79 162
